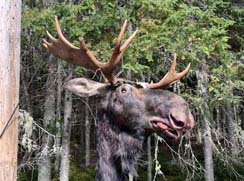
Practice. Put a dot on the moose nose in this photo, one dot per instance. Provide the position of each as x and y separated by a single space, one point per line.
176 123
181 120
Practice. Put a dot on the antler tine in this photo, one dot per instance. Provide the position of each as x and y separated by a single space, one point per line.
82 56
60 34
46 44
109 66
119 49
127 42
171 77
65 50
122 49
51 37
84 48
121 35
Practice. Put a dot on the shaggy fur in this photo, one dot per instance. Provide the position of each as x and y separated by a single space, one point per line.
117 151
124 124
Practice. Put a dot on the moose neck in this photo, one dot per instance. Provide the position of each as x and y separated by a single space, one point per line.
117 150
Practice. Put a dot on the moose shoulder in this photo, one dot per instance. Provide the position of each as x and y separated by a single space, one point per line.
128 112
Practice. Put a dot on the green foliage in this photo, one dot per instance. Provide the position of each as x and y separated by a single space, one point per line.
223 172
196 30
168 26
27 175
86 174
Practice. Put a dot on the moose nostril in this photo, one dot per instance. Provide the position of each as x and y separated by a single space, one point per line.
179 123
176 122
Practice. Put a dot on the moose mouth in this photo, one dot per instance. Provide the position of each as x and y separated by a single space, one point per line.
161 125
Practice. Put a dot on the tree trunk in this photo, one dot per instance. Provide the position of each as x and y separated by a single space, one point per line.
149 159
242 116
64 166
25 91
208 153
230 129
223 120
207 137
82 147
87 133
44 164
58 117
198 128
10 15
218 120
229 122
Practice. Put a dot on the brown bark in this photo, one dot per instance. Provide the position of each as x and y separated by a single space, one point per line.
10 15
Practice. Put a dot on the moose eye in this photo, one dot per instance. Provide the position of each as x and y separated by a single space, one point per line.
123 90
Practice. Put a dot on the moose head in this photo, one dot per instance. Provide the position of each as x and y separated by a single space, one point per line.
129 111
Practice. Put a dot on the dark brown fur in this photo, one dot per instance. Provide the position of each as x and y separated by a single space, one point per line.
123 127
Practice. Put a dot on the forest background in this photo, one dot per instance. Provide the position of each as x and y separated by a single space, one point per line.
208 34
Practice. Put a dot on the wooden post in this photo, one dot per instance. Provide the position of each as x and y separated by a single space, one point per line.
10 15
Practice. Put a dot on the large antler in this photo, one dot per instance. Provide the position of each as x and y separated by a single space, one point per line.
171 77
82 56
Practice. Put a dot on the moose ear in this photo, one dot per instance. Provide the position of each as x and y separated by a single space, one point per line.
84 87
